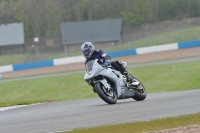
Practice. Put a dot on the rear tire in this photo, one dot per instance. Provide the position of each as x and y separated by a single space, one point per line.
104 95
140 93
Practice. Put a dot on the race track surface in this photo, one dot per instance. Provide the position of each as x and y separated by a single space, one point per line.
68 115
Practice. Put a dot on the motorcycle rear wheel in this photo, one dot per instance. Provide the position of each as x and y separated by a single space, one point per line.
140 93
108 97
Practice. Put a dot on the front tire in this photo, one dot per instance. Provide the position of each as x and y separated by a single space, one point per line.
109 97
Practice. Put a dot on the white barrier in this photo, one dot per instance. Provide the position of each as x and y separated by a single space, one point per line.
142 50
159 48
7 68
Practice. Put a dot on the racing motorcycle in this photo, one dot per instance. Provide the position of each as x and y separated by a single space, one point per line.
110 84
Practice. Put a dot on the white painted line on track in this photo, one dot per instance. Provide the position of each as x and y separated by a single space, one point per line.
17 106
61 131
12 107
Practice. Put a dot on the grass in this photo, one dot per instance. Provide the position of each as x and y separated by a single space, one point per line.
15 58
158 39
168 37
160 78
170 77
139 127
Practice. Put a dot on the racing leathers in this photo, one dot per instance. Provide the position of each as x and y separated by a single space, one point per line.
99 54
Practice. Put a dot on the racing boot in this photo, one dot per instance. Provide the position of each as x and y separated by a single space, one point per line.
130 81
135 82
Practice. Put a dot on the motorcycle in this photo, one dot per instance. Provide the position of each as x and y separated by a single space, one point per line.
110 84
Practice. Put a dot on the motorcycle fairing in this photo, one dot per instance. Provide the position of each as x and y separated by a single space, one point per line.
94 69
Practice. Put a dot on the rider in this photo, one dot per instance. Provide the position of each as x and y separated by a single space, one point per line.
90 53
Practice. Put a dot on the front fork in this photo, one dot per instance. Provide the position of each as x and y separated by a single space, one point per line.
107 88
105 83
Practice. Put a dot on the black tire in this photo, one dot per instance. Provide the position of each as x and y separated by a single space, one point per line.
104 96
140 94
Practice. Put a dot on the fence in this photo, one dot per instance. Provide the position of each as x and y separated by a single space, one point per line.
77 59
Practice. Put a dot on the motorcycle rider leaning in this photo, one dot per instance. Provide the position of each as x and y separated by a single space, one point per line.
90 53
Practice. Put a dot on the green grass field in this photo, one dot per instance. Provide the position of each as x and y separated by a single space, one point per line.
160 78
139 127
158 39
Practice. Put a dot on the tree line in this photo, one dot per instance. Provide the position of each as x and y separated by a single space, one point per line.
43 17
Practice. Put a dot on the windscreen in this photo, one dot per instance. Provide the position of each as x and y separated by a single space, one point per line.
89 65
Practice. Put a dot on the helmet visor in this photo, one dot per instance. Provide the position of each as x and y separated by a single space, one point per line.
86 52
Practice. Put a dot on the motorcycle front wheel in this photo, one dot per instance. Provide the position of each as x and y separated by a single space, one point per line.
109 96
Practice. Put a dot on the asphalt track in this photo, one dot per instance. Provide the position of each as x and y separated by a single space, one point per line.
68 115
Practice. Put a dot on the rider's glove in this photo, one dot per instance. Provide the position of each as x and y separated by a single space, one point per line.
107 63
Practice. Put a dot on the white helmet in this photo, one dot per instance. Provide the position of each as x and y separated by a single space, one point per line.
87 49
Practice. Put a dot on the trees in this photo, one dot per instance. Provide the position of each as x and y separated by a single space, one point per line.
135 12
43 17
